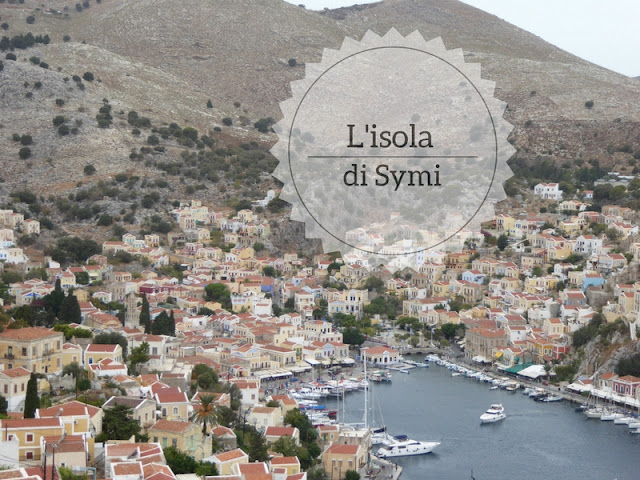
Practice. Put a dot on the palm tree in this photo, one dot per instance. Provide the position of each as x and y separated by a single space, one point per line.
205 412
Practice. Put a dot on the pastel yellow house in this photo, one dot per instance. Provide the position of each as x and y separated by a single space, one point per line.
263 417
185 436
338 459
30 433
173 404
96 352
226 460
71 353
290 464
13 386
37 349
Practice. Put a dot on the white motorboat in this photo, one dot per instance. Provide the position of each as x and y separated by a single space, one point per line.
551 398
406 448
634 424
635 431
456 374
623 420
494 414
610 416
493 387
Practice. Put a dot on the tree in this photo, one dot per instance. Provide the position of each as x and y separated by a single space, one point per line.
117 423
351 475
374 283
205 412
217 292
73 369
205 377
3 405
31 401
164 325
139 355
352 336
503 241
181 463
269 271
292 62
145 316
31 19
24 153
70 310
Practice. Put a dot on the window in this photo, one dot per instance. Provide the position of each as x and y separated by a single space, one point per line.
15 389
24 351
29 437
174 442
58 344
28 456
22 387
6 389
175 410
155 439
164 442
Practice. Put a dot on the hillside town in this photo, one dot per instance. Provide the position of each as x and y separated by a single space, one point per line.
195 357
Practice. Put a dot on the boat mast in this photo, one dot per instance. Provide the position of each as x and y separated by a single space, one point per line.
366 391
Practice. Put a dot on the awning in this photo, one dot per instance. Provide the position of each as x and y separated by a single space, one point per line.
479 359
534 371
301 368
347 361
312 362
498 354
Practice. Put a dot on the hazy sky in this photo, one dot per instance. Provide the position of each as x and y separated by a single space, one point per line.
606 33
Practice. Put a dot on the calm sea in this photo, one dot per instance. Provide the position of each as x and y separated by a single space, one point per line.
536 441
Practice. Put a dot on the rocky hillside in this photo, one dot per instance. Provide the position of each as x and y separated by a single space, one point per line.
218 66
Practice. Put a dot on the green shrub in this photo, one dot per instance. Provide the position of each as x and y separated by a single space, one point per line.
10 56
63 130
58 120
31 19
26 140
89 169
24 153
226 121
59 102
588 104
66 38
88 76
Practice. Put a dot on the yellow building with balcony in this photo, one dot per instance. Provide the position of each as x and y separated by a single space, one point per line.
37 349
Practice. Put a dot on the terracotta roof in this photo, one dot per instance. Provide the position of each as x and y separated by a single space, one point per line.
230 455
29 333
68 409
285 461
98 348
280 431
30 423
171 426
16 372
343 449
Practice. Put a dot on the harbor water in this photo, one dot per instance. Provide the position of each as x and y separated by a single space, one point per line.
536 441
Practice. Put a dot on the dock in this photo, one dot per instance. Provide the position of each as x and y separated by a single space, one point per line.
382 469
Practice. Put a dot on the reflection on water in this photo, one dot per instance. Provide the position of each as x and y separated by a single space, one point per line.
536 440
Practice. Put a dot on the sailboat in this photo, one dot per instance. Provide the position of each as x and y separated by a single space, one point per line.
400 446
593 411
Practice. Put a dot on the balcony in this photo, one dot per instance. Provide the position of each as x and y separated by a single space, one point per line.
9 356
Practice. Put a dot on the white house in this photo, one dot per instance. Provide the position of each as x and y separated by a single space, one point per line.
548 191
587 244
